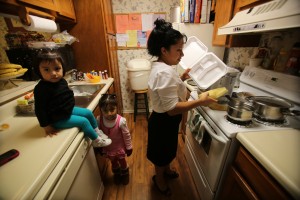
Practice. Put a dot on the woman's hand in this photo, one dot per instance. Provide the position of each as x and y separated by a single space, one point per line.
205 99
50 130
185 75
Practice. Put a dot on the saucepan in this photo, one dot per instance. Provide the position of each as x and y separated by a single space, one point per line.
271 108
239 109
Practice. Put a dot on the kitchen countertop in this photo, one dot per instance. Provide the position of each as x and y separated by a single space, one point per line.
22 177
278 152
9 90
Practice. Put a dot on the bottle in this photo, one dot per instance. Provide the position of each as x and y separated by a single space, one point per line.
106 74
280 61
293 63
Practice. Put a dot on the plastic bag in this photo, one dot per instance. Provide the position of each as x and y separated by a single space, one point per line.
64 38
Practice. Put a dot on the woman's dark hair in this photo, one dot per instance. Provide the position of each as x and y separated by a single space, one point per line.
48 55
163 35
108 101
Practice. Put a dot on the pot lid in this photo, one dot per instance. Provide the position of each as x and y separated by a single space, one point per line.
270 101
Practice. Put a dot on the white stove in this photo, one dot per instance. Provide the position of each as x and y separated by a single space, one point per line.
211 139
277 84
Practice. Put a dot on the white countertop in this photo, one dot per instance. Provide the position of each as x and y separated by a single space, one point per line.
278 152
22 177
9 90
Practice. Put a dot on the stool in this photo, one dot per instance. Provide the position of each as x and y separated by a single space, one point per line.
137 99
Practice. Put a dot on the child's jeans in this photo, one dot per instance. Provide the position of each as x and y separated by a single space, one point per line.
82 118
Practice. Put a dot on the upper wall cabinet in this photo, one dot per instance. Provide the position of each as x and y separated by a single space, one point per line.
65 8
47 4
61 10
225 10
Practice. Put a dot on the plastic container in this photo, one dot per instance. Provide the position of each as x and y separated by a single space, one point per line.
206 67
138 73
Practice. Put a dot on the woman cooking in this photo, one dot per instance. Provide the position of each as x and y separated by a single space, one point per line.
168 95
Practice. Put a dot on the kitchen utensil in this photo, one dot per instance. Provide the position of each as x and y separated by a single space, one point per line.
240 113
236 101
271 108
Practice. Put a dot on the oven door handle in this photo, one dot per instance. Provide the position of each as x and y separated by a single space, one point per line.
204 126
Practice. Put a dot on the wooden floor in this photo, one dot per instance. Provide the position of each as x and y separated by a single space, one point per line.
141 186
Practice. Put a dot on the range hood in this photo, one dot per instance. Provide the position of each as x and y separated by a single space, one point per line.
274 15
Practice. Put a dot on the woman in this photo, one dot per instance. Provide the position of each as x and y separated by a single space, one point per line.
168 95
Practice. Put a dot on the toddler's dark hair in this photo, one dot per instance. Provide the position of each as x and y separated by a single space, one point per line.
47 55
163 35
107 101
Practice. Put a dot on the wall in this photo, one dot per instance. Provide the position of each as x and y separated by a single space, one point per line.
3 45
277 41
136 6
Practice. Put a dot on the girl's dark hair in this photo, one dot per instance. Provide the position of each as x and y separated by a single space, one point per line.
108 100
47 55
163 35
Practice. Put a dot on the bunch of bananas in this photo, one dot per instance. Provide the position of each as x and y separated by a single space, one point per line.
8 70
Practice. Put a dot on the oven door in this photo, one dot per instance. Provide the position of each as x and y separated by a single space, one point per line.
210 148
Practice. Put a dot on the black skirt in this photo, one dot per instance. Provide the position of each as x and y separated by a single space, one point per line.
162 138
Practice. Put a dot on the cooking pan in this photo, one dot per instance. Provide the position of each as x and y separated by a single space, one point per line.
241 113
271 108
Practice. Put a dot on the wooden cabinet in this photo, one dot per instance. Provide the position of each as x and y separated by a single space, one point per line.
46 4
96 49
247 179
65 8
60 10
225 11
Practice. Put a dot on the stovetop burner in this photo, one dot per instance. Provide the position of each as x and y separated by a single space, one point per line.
266 122
241 124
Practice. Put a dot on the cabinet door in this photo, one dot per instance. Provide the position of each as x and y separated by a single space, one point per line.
264 185
88 182
236 187
66 8
224 9
108 16
47 4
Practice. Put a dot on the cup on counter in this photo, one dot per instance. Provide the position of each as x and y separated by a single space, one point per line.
255 62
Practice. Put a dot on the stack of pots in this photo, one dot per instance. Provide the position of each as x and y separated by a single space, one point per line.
271 109
239 109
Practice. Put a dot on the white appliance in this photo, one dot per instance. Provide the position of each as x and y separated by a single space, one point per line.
274 15
211 141
67 181
203 32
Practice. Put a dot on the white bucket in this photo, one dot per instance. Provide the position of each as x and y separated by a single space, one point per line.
138 73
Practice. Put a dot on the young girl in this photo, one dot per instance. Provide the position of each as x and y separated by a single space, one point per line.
55 103
115 127
168 95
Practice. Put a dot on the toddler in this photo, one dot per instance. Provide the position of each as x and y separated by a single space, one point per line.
55 103
115 127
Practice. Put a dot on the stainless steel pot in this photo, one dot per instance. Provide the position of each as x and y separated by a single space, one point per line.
240 113
271 108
